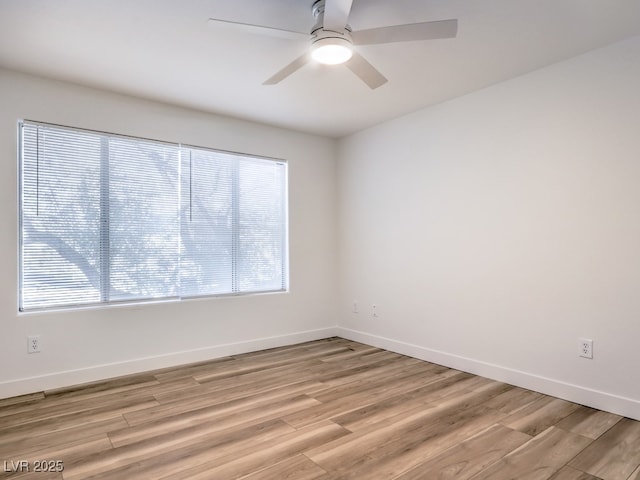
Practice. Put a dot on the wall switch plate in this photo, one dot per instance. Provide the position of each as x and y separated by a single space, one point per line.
354 307
586 348
33 344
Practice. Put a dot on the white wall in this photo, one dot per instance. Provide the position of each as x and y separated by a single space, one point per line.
84 345
494 230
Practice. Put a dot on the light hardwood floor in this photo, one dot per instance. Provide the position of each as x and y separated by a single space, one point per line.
323 410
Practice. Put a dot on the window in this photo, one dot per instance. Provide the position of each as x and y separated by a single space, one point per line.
106 218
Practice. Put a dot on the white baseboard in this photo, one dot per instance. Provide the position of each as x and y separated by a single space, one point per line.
23 386
627 407
593 398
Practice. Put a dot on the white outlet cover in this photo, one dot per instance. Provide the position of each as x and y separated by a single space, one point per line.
585 348
34 344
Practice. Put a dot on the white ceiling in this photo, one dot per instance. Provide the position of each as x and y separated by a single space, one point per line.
166 50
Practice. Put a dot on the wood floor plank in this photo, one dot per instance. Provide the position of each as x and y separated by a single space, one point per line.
63 446
238 368
223 418
613 456
540 415
589 422
568 473
243 462
469 457
513 400
70 420
398 453
19 444
635 475
49 410
293 468
152 458
72 449
205 406
327 345
331 409
226 390
357 350
537 459
360 394
354 380
108 387
188 371
424 422
368 376
420 397
32 397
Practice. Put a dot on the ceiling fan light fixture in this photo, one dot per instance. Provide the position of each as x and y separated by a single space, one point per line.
331 50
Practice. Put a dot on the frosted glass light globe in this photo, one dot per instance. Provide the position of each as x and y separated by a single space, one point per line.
331 51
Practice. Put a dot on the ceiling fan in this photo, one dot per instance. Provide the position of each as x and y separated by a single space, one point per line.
332 40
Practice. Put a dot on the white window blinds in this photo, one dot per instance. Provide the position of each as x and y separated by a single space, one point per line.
60 248
143 217
106 218
207 223
259 226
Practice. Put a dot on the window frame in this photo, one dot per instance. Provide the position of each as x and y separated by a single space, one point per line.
106 303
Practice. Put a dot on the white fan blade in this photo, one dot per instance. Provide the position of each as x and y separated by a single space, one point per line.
406 33
257 29
336 13
298 63
365 71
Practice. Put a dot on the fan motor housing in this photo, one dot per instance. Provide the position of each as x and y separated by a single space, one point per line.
317 9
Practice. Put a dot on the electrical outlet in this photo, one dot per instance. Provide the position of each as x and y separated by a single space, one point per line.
374 310
586 348
33 344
